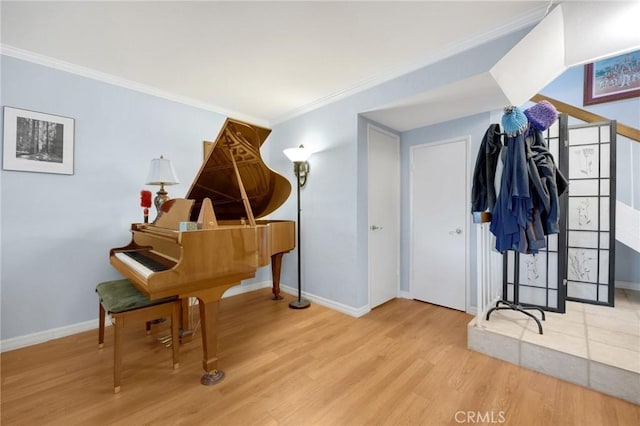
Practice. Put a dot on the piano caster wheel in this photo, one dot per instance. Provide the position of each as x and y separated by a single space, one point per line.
276 297
213 378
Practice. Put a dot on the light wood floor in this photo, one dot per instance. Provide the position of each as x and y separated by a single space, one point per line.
405 363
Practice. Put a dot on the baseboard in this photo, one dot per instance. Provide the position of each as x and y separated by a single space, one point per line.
472 310
628 285
354 312
43 336
404 295
56 333
245 288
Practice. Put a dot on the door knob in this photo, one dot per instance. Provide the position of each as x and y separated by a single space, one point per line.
375 228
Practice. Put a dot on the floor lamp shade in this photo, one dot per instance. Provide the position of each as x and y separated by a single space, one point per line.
299 154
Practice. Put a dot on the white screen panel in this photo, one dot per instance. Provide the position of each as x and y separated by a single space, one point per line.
605 164
533 296
583 213
533 270
604 267
583 162
583 239
552 273
554 148
583 135
604 187
582 290
584 187
582 264
510 266
604 214
603 295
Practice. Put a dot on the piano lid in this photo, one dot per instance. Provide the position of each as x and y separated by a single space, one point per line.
266 190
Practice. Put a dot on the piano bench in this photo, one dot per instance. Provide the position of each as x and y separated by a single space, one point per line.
127 305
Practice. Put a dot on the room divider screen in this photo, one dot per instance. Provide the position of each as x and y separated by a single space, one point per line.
591 213
578 262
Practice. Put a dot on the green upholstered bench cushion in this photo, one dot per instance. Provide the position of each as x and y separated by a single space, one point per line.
122 296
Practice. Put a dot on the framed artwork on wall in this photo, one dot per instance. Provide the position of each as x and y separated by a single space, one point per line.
37 142
612 79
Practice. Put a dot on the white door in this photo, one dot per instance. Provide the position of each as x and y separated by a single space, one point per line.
438 223
384 215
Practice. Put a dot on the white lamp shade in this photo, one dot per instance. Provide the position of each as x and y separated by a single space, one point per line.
299 154
161 172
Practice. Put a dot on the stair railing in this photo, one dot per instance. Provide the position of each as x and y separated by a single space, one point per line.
589 117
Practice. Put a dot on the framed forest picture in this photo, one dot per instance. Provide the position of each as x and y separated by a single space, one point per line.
37 142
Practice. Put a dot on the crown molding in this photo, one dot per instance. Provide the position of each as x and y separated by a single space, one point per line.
526 20
103 77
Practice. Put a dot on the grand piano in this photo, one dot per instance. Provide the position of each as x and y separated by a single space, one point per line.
232 190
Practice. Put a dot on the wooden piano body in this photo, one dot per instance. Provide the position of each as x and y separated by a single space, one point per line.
232 188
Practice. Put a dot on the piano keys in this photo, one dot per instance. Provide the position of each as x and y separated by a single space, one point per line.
231 192
144 262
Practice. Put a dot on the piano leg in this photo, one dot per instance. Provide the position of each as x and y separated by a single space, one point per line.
208 321
276 264
186 324
209 305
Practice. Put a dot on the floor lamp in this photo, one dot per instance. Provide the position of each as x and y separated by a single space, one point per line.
299 158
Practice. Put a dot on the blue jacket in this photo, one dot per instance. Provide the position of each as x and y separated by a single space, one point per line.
514 207
548 181
527 208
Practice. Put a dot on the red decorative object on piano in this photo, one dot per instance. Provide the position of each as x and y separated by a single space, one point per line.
145 201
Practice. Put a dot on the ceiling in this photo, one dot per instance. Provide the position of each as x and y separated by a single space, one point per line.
261 61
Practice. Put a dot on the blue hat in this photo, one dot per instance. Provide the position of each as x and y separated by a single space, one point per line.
514 121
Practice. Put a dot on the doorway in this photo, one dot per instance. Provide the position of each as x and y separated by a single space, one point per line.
439 220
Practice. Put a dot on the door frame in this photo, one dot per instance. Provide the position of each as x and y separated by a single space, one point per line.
466 225
398 229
